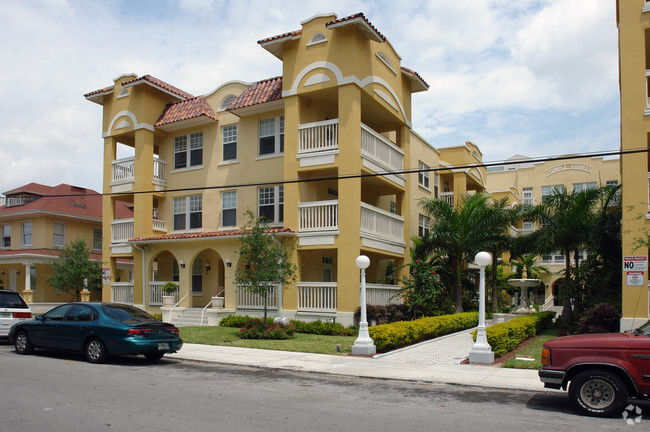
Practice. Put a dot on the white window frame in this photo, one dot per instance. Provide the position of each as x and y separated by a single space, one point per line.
24 234
229 137
228 203
187 206
423 176
272 196
424 226
579 187
436 184
187 145
267 128
328 268
56 235
5 234
549 190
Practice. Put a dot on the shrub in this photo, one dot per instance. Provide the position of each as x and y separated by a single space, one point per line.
507 336
323 328
398 334
158 316
238 321
254 329
384 314
602 318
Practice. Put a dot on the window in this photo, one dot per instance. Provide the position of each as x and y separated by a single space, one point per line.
547 191
194 153
423 176
81 313
229 209
271 136
579 187
97 239
393 207
317 38
229 142
527 196
436 184
271 203
327 269
175 271
58 236
423 226
611 183
188 212
5 236
527 227
197 276
27 233
227 101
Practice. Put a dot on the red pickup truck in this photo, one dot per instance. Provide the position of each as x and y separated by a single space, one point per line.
604 369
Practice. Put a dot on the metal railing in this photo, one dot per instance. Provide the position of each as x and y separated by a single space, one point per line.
317 296
174 307
318 216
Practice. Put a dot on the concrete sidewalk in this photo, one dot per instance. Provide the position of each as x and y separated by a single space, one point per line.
435 361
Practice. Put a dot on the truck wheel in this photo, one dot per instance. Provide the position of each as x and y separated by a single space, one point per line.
598 393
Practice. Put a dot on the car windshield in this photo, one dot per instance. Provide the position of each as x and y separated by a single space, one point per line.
126 313
12 300
644 329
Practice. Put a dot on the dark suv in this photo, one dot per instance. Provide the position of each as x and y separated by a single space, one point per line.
13 309
604 369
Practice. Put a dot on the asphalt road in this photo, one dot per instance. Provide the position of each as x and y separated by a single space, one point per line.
61 392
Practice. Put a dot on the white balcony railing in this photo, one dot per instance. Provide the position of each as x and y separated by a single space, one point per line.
124 171
156 293
447 196
159 225
381 223
318 216
248 300
528 201
122 292
318 136
317 296
122 230
380 150
381 295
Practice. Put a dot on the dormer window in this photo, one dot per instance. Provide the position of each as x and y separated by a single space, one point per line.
316 39
226 101
20 199
123 93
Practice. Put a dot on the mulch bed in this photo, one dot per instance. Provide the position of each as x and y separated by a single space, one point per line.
512 354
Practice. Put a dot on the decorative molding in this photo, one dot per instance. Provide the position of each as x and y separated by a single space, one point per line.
134 121
317 79
568 166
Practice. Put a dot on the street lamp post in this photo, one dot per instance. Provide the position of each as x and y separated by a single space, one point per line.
363 346
481 350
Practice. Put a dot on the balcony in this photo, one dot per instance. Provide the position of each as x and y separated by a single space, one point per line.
122 292
122 229
318 142
248 300
124 174
381 229
381 155
317 297
448 197
156 293
381 294
318 216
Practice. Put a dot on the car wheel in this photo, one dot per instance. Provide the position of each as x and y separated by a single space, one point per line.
598 393
96 351
153 356
22 343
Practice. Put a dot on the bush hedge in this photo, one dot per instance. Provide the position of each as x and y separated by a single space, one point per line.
398 334
315 327
507 336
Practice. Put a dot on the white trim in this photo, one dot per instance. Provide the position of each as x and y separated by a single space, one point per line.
269 156
317 158
316 79
316 42
228 162
125 75
134 121
227 83
157 87
192 168
387 99
324 15
341 80
385 60
316 239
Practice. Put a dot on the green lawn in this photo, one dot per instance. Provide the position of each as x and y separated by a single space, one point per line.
534 350
301 342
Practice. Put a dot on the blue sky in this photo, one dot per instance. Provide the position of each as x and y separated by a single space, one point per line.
533 77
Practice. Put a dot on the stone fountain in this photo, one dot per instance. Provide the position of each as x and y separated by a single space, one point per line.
524 306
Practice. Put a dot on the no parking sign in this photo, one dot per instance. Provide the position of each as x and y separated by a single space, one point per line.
634 268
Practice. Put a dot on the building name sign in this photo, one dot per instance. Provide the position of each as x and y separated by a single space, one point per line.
569 166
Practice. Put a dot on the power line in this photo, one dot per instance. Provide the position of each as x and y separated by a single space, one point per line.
366 175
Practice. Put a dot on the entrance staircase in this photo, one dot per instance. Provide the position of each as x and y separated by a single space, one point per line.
187 317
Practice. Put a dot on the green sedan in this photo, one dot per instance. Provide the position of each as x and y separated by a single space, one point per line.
98 330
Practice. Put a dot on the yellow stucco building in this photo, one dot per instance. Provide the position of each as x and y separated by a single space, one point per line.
320 151
524 180
633 19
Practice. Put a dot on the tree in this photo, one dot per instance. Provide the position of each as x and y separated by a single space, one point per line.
459 232
264 261
74 270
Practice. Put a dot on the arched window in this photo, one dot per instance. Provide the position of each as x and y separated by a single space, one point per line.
226 101
316 39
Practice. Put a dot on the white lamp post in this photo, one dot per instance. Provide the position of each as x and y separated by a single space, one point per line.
481 350
363 345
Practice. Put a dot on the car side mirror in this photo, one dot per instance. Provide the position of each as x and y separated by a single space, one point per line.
39 317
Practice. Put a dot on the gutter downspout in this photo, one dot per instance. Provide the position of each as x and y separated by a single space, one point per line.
144 276
280 284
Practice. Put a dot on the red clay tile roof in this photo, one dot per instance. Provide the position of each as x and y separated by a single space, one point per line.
185 110
203 235
260 92
160 84
63 199
360 16
100 91
415 74
288 35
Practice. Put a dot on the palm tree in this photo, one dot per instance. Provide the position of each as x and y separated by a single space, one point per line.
459 232
565 223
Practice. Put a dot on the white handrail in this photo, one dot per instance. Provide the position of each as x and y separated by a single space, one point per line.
203 311
173 307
